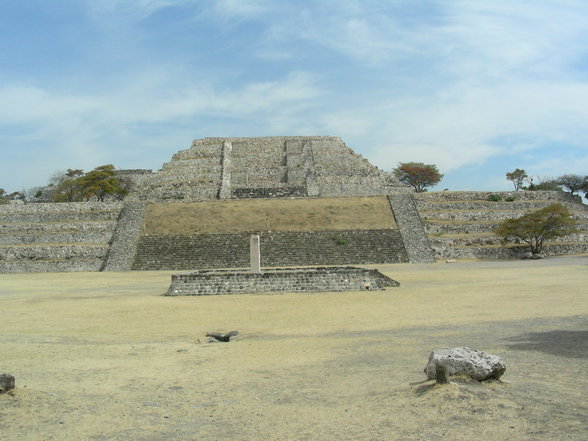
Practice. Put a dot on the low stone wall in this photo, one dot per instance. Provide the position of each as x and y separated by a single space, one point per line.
90 237
40 252
278 248
52 266
443 196
273 192
526 205
65 227
333 279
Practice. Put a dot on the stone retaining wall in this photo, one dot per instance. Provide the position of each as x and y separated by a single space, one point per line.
425 206
334 279
444 196
90 237
52 266
125 238
461 224
411 228
265 193
49 237
508 252
286 248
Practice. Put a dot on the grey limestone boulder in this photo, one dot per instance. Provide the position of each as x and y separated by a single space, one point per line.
465 361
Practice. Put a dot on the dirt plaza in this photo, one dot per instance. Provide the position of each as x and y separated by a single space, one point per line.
103 356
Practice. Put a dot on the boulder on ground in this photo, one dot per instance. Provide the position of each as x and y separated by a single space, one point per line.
465 361
7 382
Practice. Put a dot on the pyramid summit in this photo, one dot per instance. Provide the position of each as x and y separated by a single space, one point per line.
276 166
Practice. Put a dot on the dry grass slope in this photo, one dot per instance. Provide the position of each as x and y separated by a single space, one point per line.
320 214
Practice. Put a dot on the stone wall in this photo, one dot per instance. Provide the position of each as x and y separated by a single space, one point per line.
334 279
52 237
411 228
125 238
445 196
267 193
460 224
286 248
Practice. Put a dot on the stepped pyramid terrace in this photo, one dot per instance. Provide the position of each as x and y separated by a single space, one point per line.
300 166
311 199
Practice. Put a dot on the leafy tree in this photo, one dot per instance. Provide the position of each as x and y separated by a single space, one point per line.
2 196
100 182
536 227
417 175
517 177
573 182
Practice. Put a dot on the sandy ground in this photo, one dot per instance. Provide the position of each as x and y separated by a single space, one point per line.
103 356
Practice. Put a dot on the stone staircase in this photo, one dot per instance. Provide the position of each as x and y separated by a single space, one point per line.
56 237
275 166
459 225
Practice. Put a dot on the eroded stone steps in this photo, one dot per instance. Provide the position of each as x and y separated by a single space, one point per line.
56 227
507 252
100 237
483 215
51 266
483 239
52 251
488 205
56 237
461 224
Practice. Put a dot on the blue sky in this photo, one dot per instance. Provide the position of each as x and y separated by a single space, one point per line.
478 88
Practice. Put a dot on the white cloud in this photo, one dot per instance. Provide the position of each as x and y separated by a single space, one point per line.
94 129
453 83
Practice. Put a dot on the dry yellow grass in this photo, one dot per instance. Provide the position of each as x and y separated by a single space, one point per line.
364 213
103 356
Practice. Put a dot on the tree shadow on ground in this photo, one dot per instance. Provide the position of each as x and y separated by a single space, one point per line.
569 344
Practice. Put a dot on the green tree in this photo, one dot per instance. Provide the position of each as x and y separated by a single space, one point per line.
417 175
573 182
100 182
517 177
536 227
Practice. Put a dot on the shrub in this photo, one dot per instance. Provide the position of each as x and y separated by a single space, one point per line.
339 240
538 226
494 198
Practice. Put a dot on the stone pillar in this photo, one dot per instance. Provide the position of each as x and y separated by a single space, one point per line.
254 254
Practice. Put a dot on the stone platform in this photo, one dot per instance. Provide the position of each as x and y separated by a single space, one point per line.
318 279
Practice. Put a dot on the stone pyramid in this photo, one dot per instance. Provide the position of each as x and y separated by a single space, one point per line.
280 166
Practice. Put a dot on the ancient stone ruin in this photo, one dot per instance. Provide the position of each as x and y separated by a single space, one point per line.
320 279
280 166
216 174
